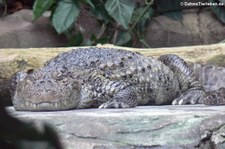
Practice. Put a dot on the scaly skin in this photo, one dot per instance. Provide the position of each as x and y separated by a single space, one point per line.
105 78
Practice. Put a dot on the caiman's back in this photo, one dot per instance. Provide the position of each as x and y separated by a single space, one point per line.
153 81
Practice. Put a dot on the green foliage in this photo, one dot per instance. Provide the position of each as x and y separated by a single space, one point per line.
89 2
170 8
120 16
65 15
3 4
120 10
122 38
219 10
123 21
100 12
138 12
41 6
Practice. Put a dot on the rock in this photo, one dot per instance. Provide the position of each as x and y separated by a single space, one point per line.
189 126
199 26
210 76
19 31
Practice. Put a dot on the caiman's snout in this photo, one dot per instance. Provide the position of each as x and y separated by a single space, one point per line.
40 92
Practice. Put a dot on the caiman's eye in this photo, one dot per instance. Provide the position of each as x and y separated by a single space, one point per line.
30 71
35 74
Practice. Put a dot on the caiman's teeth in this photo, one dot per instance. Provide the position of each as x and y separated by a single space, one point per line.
37 105
34 105
29 104
55 104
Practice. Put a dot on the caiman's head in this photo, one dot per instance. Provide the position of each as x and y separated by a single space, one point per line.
44 90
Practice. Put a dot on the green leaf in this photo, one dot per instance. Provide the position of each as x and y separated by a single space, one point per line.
219 11
120 10
89 2
223 1
3 6
100 12
122 38
65 15
40 6
170 8
1 2
139 11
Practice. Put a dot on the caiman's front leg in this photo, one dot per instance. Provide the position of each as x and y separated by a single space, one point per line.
125 98
192 92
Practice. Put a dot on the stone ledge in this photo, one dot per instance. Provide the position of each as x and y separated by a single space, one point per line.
189 126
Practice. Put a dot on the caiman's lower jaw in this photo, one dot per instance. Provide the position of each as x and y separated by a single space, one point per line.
21 104
44 106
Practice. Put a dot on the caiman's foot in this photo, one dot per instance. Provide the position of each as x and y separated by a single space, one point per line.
113 104
125 98
190 97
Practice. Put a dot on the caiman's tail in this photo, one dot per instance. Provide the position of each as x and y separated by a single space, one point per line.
209 77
